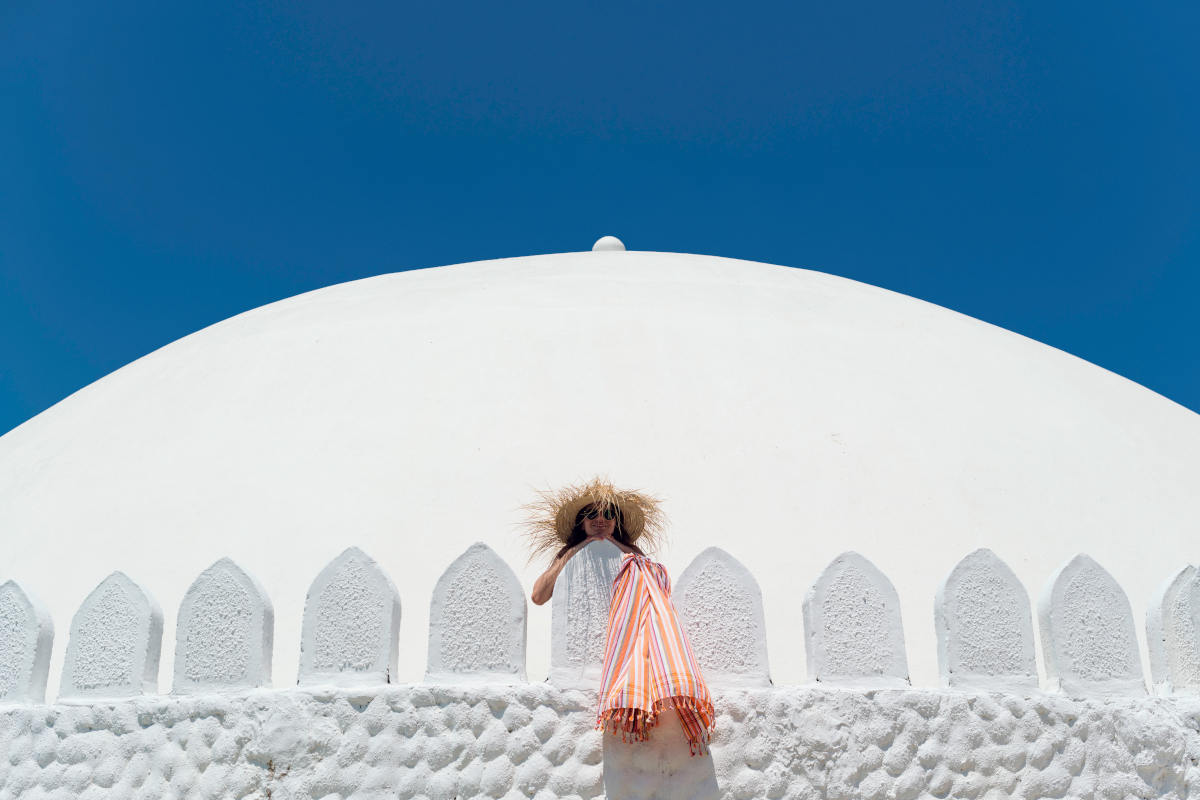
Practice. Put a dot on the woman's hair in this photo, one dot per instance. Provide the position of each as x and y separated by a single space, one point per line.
578 534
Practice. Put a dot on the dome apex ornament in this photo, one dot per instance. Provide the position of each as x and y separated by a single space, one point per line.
608 243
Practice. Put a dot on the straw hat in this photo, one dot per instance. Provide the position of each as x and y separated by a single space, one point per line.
552 516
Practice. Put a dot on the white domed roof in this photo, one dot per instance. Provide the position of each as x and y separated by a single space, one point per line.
784 415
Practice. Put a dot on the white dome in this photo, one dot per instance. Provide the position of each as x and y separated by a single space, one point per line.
784 415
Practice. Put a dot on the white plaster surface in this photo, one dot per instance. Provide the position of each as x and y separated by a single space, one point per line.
224 635
26 636
852 630
351 622
579 621
783 414
477 621
609 243
1173 634
985 627
1088 637
535 741
116 637
720 607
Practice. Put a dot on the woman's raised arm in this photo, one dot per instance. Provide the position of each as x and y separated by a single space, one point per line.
543 587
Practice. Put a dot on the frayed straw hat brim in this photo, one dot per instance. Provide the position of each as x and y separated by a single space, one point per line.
552 515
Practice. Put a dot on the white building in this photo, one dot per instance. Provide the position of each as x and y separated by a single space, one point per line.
784 415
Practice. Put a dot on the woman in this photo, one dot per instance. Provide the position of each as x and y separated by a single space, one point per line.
593 522
648 662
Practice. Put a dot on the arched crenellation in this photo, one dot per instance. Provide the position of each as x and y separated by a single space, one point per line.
114 644
1088 637
477 621
349 635
225 632
579 615
720 608
985 627
26 637
852 630
1173 634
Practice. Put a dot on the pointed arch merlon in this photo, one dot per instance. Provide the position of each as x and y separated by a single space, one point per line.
349 636
985 627
720 608
579 615
26 638
477 621
225 632
1088 637
114 644
853 635
1173 634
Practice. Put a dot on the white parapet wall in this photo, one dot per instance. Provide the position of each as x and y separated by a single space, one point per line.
116 638
721 609
852 630
477 728
536 741
477 622
225 632
26 634
579 615
1173 634
984 627
1088 637
351 624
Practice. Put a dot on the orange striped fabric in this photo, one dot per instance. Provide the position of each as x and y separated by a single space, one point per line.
648 662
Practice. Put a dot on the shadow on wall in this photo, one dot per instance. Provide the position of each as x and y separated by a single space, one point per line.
660 767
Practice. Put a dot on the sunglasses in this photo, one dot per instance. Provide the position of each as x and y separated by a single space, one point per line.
608 514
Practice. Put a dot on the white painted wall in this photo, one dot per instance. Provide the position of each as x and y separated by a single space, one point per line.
475 730
537 741
785 416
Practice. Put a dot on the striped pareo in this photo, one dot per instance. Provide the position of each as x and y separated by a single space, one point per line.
648 662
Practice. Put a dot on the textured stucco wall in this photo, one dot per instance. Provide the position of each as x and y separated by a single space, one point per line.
477 621
984 627
1173 633
115 641
351 620
225 634
537 741
475 728
26 636
1088 636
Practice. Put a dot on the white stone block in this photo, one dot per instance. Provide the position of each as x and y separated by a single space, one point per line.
1173 634
853 634
225 632
477 621
26 636
579 615
116 637
1088 638
351 624
985 627
720 607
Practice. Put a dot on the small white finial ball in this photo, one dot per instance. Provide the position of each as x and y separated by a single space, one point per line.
608 243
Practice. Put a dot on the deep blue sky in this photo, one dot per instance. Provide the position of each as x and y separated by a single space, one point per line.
165 165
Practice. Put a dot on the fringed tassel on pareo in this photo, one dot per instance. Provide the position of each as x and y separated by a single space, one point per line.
634 724
648 661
